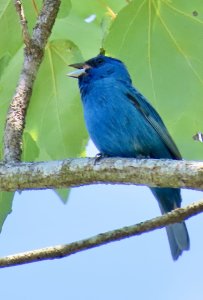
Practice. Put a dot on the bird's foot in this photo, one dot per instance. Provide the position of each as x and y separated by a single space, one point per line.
98 157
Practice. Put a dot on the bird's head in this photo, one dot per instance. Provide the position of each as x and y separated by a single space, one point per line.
98 68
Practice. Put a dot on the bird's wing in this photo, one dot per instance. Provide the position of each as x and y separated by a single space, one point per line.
150 114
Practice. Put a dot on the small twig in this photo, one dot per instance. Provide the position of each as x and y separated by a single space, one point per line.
33 56
20 11
60 251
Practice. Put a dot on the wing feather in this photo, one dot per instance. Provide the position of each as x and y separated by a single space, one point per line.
150 114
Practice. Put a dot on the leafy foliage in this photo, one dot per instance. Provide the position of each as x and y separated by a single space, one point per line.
160 42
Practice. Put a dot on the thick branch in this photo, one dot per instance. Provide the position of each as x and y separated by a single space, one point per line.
83 171
60 251
33 56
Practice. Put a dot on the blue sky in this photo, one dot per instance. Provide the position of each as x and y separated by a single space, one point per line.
136 268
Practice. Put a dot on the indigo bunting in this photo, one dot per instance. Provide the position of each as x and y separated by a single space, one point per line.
122 123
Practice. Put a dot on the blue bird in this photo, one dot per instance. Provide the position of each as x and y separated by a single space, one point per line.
121 122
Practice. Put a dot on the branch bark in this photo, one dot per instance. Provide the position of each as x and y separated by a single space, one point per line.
33 55
84 171
60 251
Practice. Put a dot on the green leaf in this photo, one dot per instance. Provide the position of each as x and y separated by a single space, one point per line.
87 36
6 199
162 46
65 8
30 148
98 8
54 118
4 60
63 194
11 35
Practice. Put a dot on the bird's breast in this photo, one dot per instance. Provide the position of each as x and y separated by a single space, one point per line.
114 124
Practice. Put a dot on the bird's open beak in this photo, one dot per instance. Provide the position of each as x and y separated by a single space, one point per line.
81 67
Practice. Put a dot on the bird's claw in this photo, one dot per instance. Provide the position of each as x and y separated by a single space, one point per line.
98 157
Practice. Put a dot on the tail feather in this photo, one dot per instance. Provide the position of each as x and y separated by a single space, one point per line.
169 199
178 239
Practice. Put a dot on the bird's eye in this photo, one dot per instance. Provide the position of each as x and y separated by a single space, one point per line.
99 61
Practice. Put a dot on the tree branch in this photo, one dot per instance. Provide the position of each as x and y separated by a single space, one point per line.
33 55
20 11
84 171
60 251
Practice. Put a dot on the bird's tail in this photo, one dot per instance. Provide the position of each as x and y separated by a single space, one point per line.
178 237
